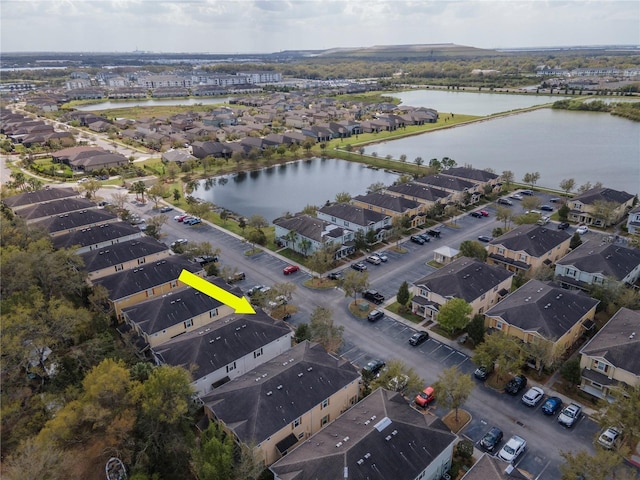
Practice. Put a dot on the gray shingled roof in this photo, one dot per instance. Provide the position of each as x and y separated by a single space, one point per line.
308 375
471 174
221 342
55 207
149 275
352 214
603 193
447 181
536 240
489 467
75 220
420 191
544 308
121 253
618 342
381 437
389 202
38 196
606 259
309 227
466 278
97 234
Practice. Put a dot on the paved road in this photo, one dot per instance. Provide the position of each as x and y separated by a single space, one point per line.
388 338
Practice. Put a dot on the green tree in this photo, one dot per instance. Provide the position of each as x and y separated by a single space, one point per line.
176 195
473 249
566 185
343 197
602 465
605 211
139 188
154 224
504 214
575 241
156 193
403 295
531 178
571 371
454 315
354 283
507 178
303 332
476 329
213 459
257 237
199 209
622 413
454 388
563 212
376 187
418 161
258 222
323 329
399 377
502 352
531 202
322 259
90 187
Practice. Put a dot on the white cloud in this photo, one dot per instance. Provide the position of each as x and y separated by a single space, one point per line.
272 25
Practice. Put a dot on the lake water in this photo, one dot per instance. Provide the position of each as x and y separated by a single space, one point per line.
290 187
152 103
587 146
472 103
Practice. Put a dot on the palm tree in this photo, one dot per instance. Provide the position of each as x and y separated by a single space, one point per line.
305 245
290 237
139 188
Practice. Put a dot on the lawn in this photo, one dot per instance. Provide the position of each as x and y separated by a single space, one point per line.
319 283
407 315
361 309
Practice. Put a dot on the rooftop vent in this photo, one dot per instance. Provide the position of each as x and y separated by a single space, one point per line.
339 444
309 369
360 462
345 439
547 305
279 387
387 438
269 393
367 455
263 375
300 374
633 334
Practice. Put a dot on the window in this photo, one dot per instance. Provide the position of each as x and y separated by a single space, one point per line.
324 420
149 292
231 367
481 310
523 257
188 323
325 403
603 367
296 423
500 251
498 324
300 435
257 353
484 295
346 224
141 261
213 313
119 268
333 219
495 289
174 283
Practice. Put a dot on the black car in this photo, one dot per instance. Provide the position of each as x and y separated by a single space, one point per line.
375 315
425 237
516 384
166 209
563 226
434 232
360 267
485 238
418 338
476 214
373 296
206 259
417 239
335 276
491 439
374 366
546 208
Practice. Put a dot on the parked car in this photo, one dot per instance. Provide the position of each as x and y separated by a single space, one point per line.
373 296
516 196
418 338
516 384
554 200
482 372
543 220
551 405
512 449
166 209
582 229
374 259
484 213
485 238
570 415
504 201
375 315
417 239
425 237
335 276
609 438
382 256
434 232
425 397
206 259
360 267
178 243
289 269
181 217
193 221
527 192
255 289
374 366
278 301
533 396
236 277
546 208
563 225
491 439
475 214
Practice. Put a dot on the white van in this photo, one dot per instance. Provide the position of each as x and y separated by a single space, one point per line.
543 220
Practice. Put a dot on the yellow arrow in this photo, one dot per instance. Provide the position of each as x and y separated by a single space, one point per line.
240 305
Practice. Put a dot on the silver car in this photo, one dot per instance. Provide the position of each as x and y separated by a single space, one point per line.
570 415
533 396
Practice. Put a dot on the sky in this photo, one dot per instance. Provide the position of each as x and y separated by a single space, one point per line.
265 26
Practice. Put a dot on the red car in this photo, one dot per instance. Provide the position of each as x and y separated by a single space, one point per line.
484 213
290 269
425 397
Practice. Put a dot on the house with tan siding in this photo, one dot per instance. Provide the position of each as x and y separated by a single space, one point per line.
543 313
393 206
612 356
528 247
479 284
102 235
283 402
587 207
